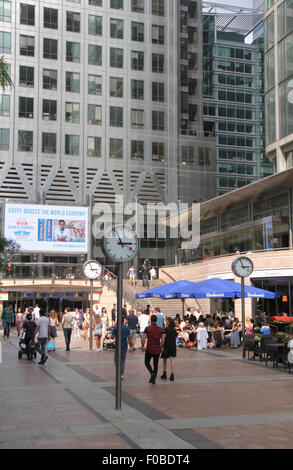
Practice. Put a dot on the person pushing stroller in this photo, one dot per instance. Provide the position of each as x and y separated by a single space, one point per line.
29 328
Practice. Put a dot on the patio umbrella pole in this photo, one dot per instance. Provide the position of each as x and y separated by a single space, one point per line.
183 305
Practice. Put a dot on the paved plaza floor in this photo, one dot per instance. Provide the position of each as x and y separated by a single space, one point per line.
218 401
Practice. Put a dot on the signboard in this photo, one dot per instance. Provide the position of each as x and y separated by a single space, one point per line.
41 228
3 296
96 295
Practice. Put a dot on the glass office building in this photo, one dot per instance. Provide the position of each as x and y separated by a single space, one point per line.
233 92
278 26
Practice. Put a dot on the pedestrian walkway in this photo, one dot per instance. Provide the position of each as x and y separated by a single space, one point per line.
217 401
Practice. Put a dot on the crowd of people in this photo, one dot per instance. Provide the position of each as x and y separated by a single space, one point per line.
148 330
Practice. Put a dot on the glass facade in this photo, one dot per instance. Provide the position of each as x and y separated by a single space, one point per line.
234 106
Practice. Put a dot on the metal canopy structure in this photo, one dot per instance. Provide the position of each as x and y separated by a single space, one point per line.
234 19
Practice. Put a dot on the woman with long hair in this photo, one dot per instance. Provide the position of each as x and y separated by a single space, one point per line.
169 350
98 331
19 319
86 324
105 322
53 322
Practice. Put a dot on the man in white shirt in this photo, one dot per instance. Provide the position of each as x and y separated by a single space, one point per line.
62 234
96 309
36 312
143 322
197 313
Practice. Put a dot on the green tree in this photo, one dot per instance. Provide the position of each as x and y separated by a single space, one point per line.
5 79
8 249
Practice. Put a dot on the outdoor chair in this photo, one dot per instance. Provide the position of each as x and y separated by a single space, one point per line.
266 352
250 345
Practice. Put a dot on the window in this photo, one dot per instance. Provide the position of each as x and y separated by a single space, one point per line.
187 155
116 57
158 91
97 3
116 87
158 7
137 31
25 141
137 89
49 79
4 139
117 4
95 85
94 114
26 76
116 116
50 49
95 26
137 119
5 42
158 63
116 28
4 105
204 157
72 145
73 82
137 60
49 110
94 146
158 152
73 21
26 107
157 34
137 150
137 6
27 14
48 142
158 121
72 112
5 11
50 18
73 52
94 55
26 45
116 148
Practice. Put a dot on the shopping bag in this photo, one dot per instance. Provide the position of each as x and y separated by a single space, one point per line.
50 345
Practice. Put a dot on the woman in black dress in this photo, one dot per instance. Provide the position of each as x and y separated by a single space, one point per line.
169 350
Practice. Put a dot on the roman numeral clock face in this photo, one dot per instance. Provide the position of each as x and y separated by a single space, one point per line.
121 243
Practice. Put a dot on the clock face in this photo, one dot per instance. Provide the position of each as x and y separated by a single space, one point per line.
121 243
242 266
92 269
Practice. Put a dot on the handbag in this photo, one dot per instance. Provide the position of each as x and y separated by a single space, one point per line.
50 345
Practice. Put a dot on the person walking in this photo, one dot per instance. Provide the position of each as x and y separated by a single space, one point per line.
98 331
169 350
29 327
153 274
86 324
143 322
7 319
155 338
43 333
132 322
131 275
67 322
76 329
145 276
202 336
19 319
126 341
53 322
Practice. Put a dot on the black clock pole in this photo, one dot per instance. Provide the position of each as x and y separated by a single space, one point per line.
119 335
91 313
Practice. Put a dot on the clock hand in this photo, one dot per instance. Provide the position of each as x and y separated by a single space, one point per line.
122 244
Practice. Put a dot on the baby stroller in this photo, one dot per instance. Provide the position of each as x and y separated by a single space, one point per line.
32 350
108 342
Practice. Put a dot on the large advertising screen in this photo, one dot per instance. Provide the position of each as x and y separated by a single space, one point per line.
55 229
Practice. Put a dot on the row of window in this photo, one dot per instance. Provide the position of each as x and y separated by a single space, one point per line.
233 182
50 51
238 169
72 113
27 12
72 82
230 111
72 145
